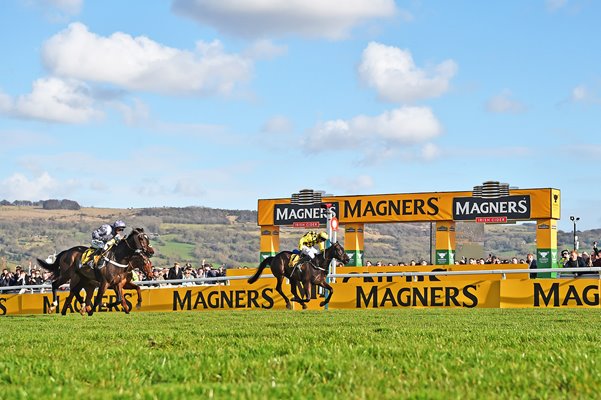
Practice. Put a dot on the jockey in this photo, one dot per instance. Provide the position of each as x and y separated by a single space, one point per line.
105 237
307 244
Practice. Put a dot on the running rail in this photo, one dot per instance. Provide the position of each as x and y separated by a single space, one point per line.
502 272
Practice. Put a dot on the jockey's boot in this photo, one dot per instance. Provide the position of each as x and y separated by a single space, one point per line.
97 274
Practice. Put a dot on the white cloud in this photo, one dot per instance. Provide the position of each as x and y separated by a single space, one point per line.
142 64
135 114
580 93
67 6
57 11
6 103
401 126
189 188
430 152
396 78
277 124
554 5
332 19
53 99
357 184
43 186
265 50
503 103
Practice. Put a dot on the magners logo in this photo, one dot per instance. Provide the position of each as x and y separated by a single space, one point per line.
511 207
289 214
389 208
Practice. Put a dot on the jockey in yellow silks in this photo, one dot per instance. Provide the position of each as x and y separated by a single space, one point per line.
307 246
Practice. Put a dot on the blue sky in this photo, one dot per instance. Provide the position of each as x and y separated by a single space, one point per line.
218 103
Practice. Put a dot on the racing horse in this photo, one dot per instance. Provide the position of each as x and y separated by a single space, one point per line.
66 267
138 261
305 274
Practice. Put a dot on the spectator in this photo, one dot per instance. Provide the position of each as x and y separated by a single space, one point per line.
594 260
36 278
6 279
575 261
175 272
531 265
188 276
565 256
585 257
22 280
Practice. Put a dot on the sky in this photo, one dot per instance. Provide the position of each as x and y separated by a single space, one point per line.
219 103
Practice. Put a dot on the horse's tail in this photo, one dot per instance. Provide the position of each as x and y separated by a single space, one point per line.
53 268
262 266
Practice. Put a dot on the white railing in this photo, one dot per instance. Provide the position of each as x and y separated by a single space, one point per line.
502 272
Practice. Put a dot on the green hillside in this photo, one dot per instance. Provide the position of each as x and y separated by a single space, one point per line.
231 237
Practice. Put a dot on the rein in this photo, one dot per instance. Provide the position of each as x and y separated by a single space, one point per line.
115 263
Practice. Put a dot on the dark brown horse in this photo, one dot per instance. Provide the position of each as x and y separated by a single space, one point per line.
302 276
67 267
138 261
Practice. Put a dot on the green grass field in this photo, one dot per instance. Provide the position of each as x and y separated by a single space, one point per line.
344 354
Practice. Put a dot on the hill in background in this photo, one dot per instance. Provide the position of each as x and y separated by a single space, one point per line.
231 237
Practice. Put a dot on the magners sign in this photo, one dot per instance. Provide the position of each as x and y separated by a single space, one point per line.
295 214
506 207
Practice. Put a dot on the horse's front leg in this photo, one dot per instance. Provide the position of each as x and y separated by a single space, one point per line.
296 287
131 285
307 287
120 296
330 290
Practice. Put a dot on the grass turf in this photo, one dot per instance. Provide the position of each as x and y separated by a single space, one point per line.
350 354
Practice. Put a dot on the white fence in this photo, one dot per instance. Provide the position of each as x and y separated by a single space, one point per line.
594 271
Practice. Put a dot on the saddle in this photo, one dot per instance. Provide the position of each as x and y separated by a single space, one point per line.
92 253
87 256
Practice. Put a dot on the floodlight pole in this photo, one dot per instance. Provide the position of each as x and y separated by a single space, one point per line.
574 220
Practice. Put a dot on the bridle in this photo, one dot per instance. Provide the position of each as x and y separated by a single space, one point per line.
140 248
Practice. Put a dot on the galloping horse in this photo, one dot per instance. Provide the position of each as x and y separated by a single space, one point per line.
138 261
312 272
66 267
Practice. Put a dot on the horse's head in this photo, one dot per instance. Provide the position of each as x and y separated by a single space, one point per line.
337 252
142 262
139 241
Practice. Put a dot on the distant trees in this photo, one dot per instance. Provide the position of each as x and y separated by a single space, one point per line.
51 204
64 204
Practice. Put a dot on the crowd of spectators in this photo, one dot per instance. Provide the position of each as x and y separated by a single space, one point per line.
491 259
35 276
22 277
189 274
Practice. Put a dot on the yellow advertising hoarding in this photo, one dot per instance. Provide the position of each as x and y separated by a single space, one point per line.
434 268
417 207
355 293
550 293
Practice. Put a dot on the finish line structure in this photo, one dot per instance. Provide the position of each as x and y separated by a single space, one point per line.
491 202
